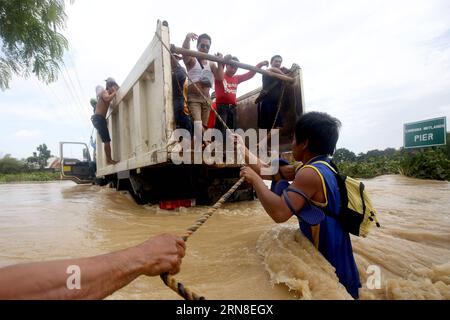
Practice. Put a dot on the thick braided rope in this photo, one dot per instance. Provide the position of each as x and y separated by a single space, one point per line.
179 288
170 281
278 107
200 221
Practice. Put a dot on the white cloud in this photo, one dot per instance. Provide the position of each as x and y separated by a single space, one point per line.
27 134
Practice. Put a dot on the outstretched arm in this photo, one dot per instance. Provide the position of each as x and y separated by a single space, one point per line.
307 180
217 70
189 61
274 205
250 74
99 276
287 171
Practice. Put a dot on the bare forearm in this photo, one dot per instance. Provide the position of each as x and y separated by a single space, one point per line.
252 160
272 203
187 43
98 277
246 76
218 71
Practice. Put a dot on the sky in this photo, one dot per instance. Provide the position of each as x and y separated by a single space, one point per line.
374 65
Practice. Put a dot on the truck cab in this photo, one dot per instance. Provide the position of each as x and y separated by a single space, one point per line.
76 164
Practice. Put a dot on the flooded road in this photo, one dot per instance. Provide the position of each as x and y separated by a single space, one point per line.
239 253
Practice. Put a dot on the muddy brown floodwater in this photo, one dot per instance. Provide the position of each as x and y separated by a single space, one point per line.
239 253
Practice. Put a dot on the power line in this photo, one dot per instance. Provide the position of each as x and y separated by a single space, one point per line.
73 91
76 100
66 102
77 75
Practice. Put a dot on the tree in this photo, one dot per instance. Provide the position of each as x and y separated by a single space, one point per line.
373 154
33 161
43 155
30 39
343 155
9 164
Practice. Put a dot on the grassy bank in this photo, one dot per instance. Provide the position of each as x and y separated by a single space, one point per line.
28 177
430 163
369 169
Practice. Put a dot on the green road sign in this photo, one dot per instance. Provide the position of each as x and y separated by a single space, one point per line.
426 133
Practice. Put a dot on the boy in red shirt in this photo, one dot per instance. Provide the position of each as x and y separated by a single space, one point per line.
226 89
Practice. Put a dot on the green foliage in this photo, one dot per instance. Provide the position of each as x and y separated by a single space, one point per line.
29 176
9 164
43 155
342 155
40 158
33 161
13 170
30 39
12 165
426 163
429 163
369 169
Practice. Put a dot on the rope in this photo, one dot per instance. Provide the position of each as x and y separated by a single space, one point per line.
169 280
280 100
200 221
278 112
278 107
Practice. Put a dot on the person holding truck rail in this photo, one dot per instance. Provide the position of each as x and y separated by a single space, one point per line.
201 78
99 118
270 95
226 89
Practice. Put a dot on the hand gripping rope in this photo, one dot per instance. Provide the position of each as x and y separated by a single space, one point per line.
168 279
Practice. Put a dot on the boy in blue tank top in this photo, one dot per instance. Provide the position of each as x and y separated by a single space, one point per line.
313 188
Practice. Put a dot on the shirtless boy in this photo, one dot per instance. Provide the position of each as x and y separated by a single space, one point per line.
99 118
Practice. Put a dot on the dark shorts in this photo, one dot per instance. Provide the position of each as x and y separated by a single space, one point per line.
267 113
228 114
100 124
182 120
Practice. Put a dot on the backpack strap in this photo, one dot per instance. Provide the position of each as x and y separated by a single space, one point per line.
310 214
289 202
361 194
297 166
326 164
324 187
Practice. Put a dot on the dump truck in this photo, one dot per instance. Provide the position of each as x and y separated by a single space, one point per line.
141 123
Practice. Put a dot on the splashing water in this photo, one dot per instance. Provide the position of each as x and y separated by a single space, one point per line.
240 253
